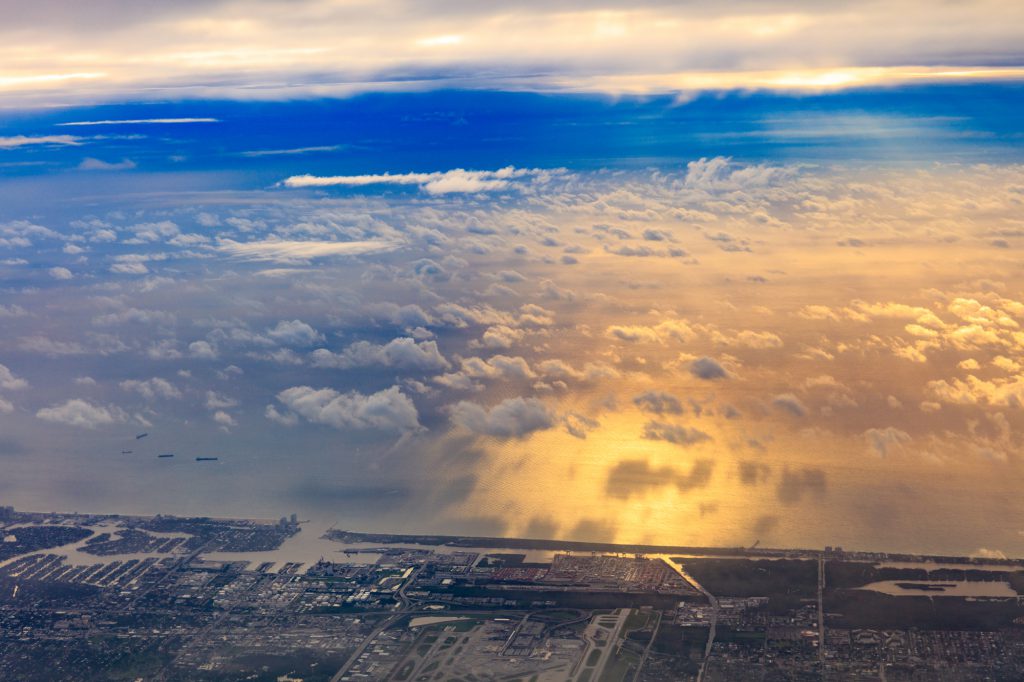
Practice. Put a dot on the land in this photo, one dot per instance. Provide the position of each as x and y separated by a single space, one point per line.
106 597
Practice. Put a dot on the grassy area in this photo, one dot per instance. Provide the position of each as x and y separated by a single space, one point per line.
593 658
753 578
406 670
620 666
637 620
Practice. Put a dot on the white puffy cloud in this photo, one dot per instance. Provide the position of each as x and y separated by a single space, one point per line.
224 419
511 418
77 412
60 273
151 389
9 381
203 350
400 353
294 333
501 337
387 410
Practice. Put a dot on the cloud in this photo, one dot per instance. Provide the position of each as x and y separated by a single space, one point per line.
754 339
139 121
501 337
387 410
577 425
672 433
708 369
498 367
400 353
203 350
51 347
81 413
663 332
294 333
9 381
15 141
224 419
129 268
454 181
60 273
257 153
787 402
284 251
91 164
884 442
151 388
511 418
279 49
658 403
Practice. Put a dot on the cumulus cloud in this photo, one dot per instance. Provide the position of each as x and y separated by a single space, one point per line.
511 418
787 402
60 273
673 433
885 441
76 412
203 350
151 389
294 333
400 353
224 419
386 410
658 402
9 381
708 369
501 336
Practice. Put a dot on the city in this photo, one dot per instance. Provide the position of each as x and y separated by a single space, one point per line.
119 597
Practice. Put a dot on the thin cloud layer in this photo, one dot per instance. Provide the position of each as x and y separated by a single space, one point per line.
204 49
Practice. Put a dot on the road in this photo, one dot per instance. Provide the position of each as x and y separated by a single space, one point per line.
821 610
713 601
643 659
403 609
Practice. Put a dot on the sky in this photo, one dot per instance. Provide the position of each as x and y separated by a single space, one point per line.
667 272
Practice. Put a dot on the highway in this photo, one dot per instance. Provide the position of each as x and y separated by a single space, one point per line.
821 610
713 601
403 609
